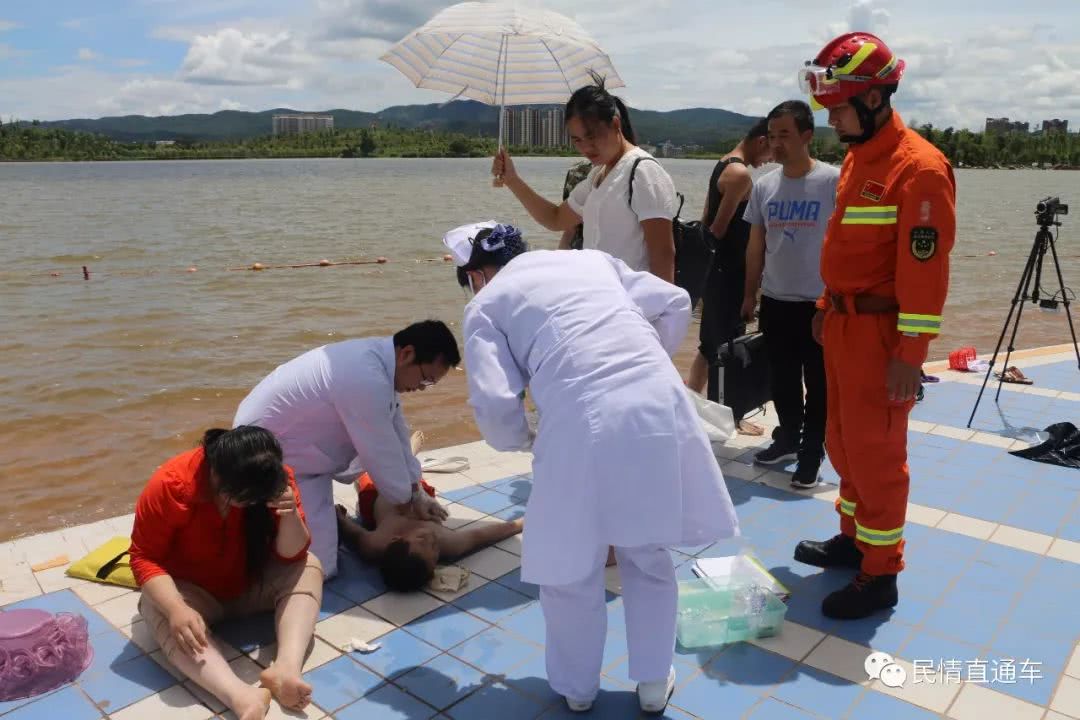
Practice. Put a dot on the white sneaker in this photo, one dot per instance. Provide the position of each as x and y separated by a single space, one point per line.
654 696
579 706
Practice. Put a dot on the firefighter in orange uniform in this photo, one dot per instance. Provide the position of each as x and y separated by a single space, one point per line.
885 263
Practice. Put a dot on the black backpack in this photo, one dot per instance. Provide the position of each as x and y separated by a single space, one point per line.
694 249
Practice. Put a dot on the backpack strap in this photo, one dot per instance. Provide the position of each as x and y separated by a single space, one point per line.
630 197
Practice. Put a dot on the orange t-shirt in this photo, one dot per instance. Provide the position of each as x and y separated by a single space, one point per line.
367 493
179 532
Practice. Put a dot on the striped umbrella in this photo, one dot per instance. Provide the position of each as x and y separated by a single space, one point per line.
500 54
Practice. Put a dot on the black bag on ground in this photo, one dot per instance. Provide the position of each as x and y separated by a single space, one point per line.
1062 448
744 374
694 249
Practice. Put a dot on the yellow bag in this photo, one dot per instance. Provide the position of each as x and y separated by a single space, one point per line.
110 563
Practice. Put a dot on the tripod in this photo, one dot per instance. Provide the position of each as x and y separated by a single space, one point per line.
1044 240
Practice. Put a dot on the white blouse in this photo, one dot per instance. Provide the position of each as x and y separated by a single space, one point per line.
610 222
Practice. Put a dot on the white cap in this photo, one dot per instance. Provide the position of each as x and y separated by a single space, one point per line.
460 240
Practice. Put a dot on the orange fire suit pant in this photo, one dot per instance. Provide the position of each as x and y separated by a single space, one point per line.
866 436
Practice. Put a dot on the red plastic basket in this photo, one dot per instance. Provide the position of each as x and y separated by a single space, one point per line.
959 359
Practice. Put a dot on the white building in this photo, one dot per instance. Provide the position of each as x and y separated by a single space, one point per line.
298 124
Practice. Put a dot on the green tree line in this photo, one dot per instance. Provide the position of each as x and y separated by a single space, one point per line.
31 141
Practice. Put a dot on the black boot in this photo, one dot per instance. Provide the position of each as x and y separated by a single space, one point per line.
837 551
864 596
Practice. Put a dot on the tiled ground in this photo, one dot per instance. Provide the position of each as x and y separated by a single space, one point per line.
993 573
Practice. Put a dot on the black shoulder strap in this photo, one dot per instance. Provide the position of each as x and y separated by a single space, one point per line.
633 169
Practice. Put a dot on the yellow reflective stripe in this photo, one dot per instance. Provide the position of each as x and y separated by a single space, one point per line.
878 537
928 324
856 60
883 72
867 220
869 215
847 507
870 209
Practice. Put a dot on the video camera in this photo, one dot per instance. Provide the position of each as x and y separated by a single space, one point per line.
1047 210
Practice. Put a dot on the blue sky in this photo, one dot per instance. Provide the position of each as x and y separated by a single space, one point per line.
90 58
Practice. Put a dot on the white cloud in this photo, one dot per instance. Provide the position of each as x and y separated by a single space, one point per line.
232 57
966 61
87 55
6 25
75 24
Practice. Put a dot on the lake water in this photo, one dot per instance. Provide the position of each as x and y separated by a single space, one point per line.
104 379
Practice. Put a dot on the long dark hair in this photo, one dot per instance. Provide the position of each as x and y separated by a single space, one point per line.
247 464
594 104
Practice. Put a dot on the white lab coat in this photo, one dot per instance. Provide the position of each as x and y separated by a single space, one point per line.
334 409
620 457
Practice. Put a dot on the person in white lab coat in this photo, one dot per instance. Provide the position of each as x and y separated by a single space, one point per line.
620 457
336 410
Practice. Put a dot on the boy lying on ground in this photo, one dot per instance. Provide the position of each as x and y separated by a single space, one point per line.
406 549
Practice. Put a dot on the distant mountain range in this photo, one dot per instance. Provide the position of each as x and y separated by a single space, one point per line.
698 126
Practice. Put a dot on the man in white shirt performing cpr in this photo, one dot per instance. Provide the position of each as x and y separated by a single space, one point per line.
336 410
620 458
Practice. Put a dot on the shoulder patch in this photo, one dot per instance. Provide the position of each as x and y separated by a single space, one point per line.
923 243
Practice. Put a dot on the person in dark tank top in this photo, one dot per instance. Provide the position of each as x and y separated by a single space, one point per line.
725 203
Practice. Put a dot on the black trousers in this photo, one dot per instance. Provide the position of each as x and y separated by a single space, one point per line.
794 359
721 305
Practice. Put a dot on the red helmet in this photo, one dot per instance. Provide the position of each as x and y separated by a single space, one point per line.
849 65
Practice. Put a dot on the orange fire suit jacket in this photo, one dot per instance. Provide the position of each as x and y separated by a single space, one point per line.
892 231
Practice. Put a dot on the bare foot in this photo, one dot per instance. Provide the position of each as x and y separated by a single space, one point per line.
416 441
289 690
253 706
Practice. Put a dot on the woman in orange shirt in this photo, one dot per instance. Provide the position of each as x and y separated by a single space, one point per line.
220 532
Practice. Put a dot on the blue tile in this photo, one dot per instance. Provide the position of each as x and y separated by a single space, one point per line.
773 709
496 701
964 624
531 679
127 683
513 581
493 602
877 632
442 682
750 666
615 650
488 502
518 489
332 604
356 580
340 682
398 653
879 706
927 646
68 703
818 692
111 648
529 624
703 695
69 602
1037 687
511 513
495 651
446 627
386 703
462 493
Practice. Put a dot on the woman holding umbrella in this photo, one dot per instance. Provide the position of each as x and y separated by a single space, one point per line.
634 227
620 457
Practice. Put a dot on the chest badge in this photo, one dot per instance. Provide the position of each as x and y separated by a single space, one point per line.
872 191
